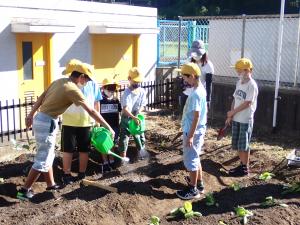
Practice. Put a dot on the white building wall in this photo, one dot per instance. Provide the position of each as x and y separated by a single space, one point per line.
73 45
147 55
69 45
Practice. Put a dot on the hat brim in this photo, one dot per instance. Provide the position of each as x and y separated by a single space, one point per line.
177 70
137 79
65 72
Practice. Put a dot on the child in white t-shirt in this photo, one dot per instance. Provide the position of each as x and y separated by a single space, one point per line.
133 101
241 115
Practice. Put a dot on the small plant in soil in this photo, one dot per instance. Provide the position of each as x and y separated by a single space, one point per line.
154 220
210 200
291 188
266 176
186 211
270 201
243 214
235 186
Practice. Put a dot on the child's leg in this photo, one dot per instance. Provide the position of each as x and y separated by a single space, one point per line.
194 178
123 141
49 179
67 162
31 178
244 157
139 141
83 161
200 175
84 148
244 142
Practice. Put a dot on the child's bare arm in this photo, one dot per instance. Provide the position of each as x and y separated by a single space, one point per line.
193 128
129 114
241 107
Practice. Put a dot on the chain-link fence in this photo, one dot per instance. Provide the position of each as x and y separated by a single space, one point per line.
255 37
169 35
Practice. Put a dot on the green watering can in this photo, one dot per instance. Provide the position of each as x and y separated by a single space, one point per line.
136 129
101 139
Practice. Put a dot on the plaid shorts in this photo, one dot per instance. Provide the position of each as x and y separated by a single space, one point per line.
241 136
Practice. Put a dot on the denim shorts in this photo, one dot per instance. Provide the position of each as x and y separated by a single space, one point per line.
45 130
241 135
191 155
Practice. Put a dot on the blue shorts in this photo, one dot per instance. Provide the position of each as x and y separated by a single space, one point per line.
191 155
241 136
45 130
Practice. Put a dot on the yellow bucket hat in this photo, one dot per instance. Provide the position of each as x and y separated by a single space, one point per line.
70 66
87 69
135 75
189 68
243 64
110 81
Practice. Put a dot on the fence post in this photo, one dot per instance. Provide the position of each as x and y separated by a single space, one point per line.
243 36
179 40
297 53
168 89
177 90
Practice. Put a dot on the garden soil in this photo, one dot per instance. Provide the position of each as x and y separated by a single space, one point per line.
147 187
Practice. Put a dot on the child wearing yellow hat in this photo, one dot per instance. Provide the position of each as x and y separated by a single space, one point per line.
110 108
76 124
241 115
193 125
133 101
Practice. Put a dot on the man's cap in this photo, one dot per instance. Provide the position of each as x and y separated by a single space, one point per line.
189 68
198 44
197 50
135 75
196 53
243 64
70 66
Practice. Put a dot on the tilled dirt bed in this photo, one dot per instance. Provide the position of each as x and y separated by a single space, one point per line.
147 188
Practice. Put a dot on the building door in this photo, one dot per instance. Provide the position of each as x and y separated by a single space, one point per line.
114 55
33 64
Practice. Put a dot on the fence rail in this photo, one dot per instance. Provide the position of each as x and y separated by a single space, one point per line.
12 113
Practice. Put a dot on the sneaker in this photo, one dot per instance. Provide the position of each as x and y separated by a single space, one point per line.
200 184
54 187
25 194
189 193
239 171
67 179
143 154
80 176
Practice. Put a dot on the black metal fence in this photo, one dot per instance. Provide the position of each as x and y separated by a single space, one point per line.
12 113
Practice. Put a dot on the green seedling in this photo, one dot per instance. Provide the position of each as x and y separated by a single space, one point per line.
269 202
186 211
210 200
235 186
243 214
292 188
154 220
163 144
266 176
